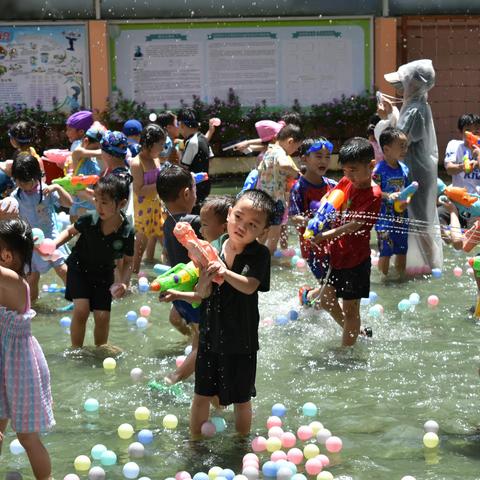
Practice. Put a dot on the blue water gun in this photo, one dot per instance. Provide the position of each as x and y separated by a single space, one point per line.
200 177
326 212
400 203
468 204
251 181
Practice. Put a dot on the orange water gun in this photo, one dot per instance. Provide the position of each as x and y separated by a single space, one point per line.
199 251
471 140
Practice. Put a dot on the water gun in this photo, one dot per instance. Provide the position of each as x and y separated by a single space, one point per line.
199 251
467 166
175 390
400 204
474 262
468 204
471 140
56 155
182 277
251 180
200 177
76 183
326 212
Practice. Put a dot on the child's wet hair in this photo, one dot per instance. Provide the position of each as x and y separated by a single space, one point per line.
22 132
165 119
25 168
188 117
291 131
16 235
467 120
219 205
356 150
171 180
292 118
151 135
389 135
261 201
113 186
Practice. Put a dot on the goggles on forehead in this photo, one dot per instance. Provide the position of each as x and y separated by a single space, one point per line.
319 144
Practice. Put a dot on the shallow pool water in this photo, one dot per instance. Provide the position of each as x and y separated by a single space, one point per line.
420 365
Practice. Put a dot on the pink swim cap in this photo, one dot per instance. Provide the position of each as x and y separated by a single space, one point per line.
268 129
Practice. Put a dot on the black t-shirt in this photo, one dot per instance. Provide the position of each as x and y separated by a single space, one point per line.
196 158
96 252
229 322
176 252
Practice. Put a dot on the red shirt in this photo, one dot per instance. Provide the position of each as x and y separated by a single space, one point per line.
362 205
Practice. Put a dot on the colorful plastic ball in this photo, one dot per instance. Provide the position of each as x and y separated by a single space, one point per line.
404 305
299 476
408 477
278 455
97 451
109 363
38 236
301 264
96 473
288 439
82 463
142 277
145 436
275 432
143 287
71 476
322 435
270 469
274 421
293 315
208 429
144 478
65 322
47 247
279 410
142 414
433 300
310 451
374 312
179 360
295 455
289 252
373 297
294 260
375 261
431 426
313 466
292 467
136 374
141 322
188 350
170 421
436 272
91 405
324 459
251 473
304 433
200 476
182 476
16 447
457 271
136 450
130 470
273 444
131 316
227 473
284 473
281 320
259 444
240 477
250 456
431 440
414 298
220 424
108 458
145 310
325 476
125 431
278 254
315 426
309 409
214 472
333 444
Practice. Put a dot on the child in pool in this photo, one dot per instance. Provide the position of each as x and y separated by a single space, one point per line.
106 238
37 203
25 394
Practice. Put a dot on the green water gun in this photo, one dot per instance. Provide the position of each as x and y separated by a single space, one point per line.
175 390
76 183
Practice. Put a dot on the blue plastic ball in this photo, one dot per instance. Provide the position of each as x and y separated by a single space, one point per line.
97 451
220 424
374 312
131 316
145 436
414 298
201 476
436 272
373 297
91 405
142 287
277 254
108 458
279 410
142 322
281 320
227 473
404 305
293 315
292 467
65 322
131 470
269 469
309 409
299 476
294 260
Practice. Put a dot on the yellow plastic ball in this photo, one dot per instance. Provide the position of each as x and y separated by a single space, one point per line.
316 427
82 463
273 444
109 363
214 472
324 476
431 440
142 414
310 451
125 431
170 422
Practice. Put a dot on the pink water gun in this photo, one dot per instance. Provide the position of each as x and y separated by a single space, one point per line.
56 155
199 251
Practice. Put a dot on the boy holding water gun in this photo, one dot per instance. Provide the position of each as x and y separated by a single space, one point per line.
391 176
349 239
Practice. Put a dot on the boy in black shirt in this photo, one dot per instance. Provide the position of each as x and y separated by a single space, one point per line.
227 354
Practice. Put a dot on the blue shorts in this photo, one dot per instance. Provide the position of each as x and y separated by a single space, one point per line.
318 265
279 213
186 311
392 243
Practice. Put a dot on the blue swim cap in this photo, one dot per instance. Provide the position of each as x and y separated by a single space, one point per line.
318 144
115 143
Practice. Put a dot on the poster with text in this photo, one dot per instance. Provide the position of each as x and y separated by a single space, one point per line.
312 61
44 65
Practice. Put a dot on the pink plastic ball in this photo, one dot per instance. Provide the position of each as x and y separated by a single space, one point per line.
145 311
259 444
305 433
433 300
288 252
208 429
457 271
324 459
374 261
295 455
216 122
288 440
333 444
274 422
275 432
267 321
47 247
182 476
179 360
301 263
251 463
278 455
141 274
313 466
250 456
71 476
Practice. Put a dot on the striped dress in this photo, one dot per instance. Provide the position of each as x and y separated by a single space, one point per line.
25 395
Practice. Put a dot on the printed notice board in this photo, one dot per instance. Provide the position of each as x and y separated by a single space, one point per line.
312 61
39 63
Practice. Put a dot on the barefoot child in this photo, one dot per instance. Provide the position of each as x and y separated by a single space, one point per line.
25 394
106 237
227 354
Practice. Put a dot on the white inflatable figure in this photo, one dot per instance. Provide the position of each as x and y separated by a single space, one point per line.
415 79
